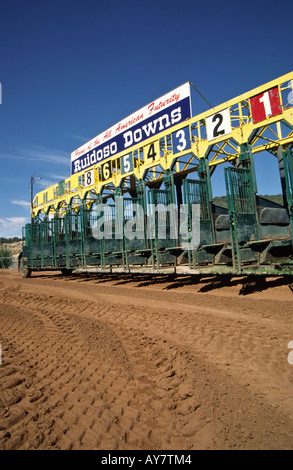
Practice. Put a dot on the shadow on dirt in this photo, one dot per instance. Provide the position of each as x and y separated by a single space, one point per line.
247 284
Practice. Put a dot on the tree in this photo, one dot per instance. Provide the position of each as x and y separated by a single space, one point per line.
6 259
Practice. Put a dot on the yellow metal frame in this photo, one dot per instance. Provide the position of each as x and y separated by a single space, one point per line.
266 135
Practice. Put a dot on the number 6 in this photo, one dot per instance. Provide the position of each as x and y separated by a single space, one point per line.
106 171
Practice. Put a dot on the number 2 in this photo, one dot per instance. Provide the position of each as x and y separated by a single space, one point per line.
219 118
218 124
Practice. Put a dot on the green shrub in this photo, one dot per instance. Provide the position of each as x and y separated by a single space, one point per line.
5 258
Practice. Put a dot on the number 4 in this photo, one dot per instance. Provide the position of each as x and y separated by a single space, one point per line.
151 151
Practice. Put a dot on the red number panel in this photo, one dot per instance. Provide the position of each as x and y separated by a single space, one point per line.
265 105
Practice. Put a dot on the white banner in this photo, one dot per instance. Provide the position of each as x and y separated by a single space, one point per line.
164 112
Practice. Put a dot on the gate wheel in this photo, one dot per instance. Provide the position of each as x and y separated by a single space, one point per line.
66 272
26 272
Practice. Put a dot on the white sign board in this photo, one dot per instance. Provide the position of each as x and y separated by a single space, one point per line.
164 112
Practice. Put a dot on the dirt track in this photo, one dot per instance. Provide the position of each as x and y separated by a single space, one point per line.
101 362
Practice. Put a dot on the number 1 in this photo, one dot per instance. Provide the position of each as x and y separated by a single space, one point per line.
267 104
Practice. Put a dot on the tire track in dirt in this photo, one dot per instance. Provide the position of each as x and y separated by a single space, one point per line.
110 388
212 337
101 371
259 348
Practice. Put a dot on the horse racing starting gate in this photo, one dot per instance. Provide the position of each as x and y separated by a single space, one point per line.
150 207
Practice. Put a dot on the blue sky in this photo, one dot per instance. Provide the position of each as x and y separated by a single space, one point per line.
71 69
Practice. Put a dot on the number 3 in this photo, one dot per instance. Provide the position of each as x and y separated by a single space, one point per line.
181 136
181 140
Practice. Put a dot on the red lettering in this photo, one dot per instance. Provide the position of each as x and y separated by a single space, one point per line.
152 107
107 135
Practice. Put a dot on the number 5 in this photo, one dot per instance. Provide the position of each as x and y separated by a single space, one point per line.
126 163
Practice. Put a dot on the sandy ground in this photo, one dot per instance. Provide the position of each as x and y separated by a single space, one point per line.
153 363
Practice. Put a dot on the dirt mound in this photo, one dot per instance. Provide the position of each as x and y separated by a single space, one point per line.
144 362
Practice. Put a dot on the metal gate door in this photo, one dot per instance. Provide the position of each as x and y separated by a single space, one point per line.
47 243
196 192
243 215
135 244
74 239
163 230
288 168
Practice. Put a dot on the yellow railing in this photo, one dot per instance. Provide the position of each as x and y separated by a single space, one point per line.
262 117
